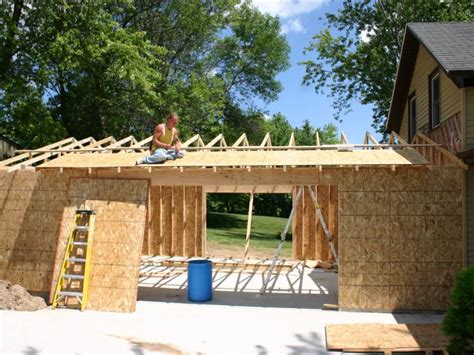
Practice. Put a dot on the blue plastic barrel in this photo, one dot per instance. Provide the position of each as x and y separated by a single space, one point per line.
199 280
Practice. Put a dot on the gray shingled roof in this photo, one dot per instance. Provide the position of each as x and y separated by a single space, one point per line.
451 43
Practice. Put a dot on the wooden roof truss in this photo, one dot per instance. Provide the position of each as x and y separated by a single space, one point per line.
430 150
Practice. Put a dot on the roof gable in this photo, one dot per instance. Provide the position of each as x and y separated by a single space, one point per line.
451 44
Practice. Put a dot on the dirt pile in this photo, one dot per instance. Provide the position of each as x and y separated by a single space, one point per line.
16 298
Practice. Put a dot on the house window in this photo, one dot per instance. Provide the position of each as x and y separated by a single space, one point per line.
411 116
434 100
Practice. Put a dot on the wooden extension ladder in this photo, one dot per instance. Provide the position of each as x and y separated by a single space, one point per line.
73 279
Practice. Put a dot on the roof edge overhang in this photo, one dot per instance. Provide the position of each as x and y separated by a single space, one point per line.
401 87
406 66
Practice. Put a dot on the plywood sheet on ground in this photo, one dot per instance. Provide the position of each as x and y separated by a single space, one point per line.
380 337
249 158
120 207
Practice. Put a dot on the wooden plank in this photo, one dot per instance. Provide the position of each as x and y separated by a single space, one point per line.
249 227
214 141
333 218
178 220
444 151
344 139
271 189
241 140
292 141
190 220
297 227
40 150
267 141
191 140
46 156
200 221
166 219
322 247
122 142
385 337
99 143
155 233
307 233
239 158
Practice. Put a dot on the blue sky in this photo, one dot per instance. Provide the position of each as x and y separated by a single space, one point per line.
300 21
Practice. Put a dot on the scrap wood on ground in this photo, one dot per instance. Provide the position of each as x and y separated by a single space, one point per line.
385 338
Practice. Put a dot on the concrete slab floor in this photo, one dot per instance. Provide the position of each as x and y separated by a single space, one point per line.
238 320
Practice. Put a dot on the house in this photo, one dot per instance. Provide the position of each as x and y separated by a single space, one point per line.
434 95
7 147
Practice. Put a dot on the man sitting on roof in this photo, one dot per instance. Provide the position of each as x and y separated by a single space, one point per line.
165 144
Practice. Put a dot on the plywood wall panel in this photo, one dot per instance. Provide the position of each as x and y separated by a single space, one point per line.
177 222
200 221
117 240
190 220
31 205
309 239
406 236
166 219
154 227
297 228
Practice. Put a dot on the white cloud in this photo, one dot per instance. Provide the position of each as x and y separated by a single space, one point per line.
367 34
288 8
293 25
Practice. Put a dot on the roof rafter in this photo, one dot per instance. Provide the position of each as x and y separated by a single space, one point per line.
220 139
29 155
50 154
343 139
194 139
242 140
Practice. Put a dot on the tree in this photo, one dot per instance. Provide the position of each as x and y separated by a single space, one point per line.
82 73
306 134
358 58
458 323
279 129
116 67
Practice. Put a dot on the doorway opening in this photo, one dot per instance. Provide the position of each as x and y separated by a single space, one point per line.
242 226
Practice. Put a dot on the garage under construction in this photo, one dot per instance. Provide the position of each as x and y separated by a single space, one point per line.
393 213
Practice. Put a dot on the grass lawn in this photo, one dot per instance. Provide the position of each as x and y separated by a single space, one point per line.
226 235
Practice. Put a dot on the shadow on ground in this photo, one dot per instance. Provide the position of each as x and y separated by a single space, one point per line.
294 289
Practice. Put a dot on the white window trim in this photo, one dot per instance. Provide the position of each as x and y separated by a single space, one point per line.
434 77
410 117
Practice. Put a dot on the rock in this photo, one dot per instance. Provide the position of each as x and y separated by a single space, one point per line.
17 298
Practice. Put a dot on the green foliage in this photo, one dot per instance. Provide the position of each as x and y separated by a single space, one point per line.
280 132
279 129
250 57
228 230
459 320
351 68
117 67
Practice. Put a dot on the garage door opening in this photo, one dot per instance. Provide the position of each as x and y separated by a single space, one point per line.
242 253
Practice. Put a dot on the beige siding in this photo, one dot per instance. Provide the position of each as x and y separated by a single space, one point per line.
469 143
450 95
470 215
469 114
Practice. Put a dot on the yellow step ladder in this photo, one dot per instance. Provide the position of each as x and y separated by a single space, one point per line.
73 279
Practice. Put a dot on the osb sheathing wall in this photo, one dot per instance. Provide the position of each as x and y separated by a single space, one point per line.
176 221
31 209
400 238
308 239
120 207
